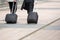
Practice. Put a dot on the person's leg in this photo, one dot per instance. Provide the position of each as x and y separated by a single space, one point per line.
10 6
27 7
28 11
31 6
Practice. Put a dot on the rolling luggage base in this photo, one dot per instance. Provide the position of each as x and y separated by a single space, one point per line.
11 18
32 18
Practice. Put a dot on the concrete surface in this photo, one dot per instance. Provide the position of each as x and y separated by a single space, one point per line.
47 12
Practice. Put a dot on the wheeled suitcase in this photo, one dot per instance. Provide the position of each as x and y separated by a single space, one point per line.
32 17
11 18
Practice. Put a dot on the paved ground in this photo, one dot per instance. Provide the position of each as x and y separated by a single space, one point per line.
47 13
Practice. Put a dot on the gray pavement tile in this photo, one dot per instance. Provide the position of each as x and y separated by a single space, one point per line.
54 26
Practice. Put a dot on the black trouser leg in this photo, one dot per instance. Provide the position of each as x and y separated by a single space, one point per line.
27 11
10 6
13 8
30 7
